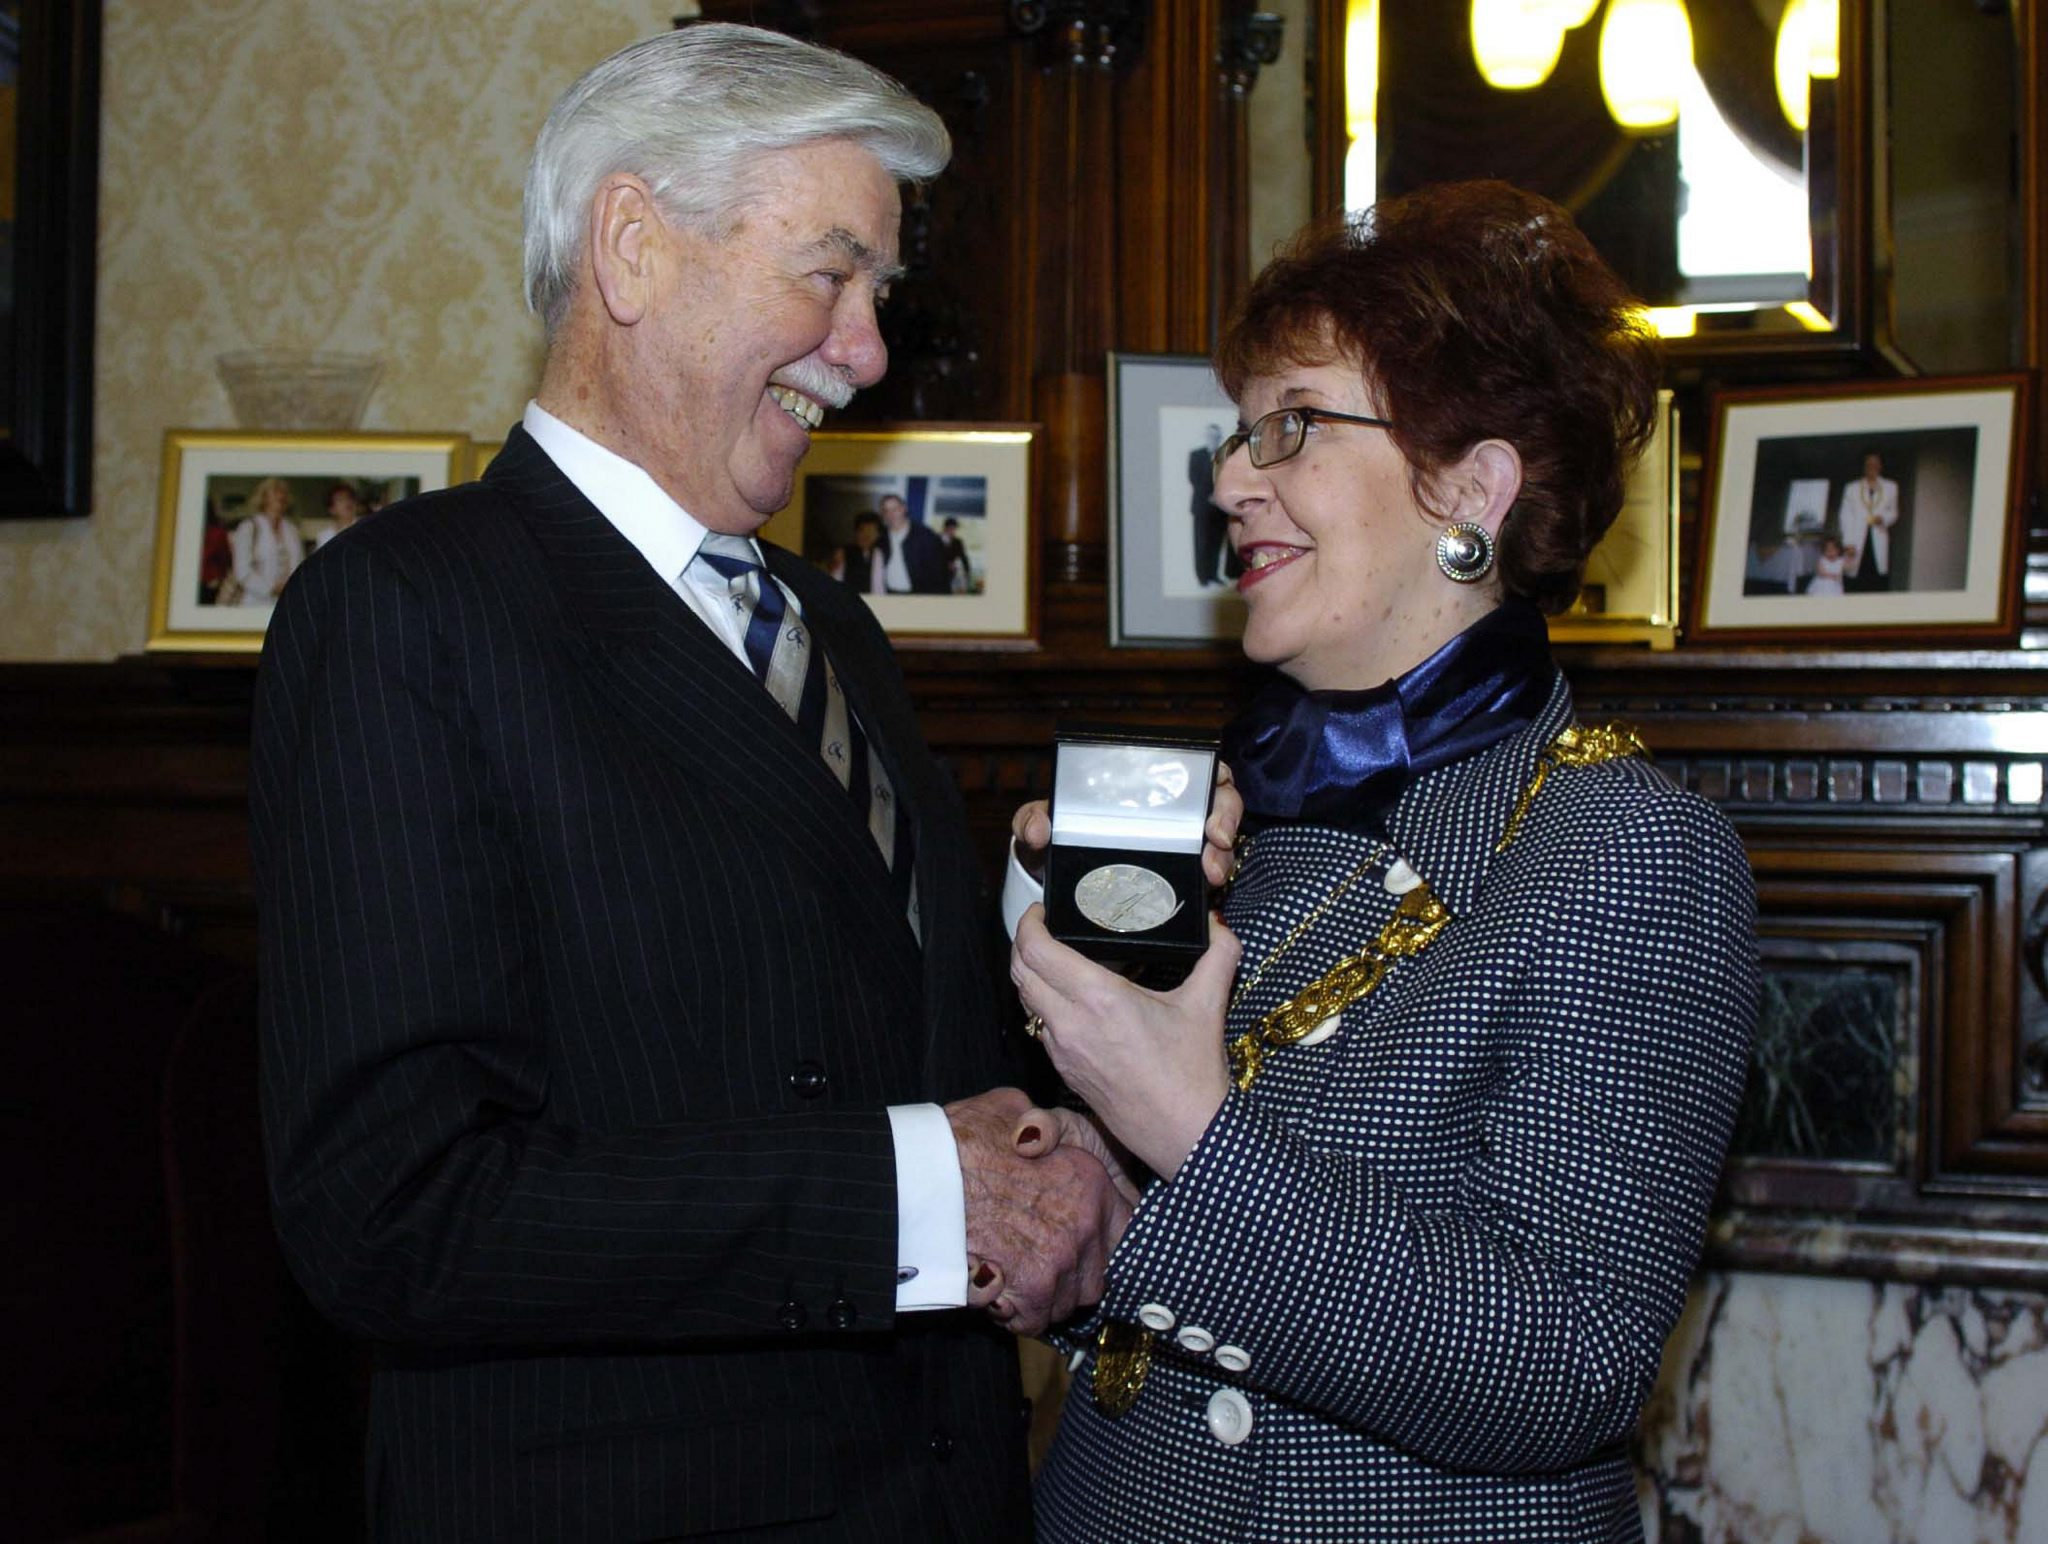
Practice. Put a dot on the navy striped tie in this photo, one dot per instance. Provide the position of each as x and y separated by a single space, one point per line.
800 677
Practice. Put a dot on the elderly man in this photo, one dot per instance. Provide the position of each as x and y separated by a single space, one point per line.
617 925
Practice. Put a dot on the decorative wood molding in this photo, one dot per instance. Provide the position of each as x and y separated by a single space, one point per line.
1082 34
1251 41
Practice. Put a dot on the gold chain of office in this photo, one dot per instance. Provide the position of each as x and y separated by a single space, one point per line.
1123 1352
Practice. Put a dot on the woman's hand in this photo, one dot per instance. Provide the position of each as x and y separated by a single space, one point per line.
1032 830
1149 1064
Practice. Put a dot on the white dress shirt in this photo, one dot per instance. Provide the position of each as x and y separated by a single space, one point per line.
931 1205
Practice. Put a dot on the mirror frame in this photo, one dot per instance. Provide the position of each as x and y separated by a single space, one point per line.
1843 287
46 461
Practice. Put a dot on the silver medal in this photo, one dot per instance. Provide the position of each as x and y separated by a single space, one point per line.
1124 898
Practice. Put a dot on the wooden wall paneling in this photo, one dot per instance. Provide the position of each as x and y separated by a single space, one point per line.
2030 36
1074 273
1167 187
1894 806
1332 138
1964 1196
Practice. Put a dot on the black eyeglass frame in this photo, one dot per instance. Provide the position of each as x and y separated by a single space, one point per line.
1253 436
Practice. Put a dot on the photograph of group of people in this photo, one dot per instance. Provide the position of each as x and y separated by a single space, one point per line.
1836 515
260 528
890 534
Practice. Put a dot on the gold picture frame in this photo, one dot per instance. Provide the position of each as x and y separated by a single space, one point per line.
481 454
968 578
213 590
1630 593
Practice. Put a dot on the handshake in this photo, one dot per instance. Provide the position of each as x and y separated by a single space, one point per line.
1049 1192
1047 1199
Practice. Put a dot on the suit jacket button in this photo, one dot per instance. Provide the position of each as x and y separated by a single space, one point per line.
840 1315
942 1444
791 1315
807 1080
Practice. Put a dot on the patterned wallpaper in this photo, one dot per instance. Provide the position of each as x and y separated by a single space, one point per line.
338 174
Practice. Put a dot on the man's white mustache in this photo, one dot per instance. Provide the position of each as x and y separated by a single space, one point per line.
820 382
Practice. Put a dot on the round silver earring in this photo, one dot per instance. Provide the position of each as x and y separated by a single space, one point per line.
1465 552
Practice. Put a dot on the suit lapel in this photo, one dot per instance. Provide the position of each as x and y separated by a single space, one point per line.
687 694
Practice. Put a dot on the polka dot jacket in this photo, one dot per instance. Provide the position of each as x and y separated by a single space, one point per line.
1414 1283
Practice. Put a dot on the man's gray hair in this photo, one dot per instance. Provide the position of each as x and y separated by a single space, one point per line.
686 111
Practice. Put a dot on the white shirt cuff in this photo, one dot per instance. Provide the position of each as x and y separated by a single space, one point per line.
1020 892
931 1210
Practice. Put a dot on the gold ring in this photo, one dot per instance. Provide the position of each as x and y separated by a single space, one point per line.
1035 1025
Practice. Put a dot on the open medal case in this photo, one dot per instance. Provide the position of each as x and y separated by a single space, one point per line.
1123 877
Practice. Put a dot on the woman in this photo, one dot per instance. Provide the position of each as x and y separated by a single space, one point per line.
266 546
1436 1120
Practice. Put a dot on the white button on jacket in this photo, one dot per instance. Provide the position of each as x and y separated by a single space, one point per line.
1230 1417
1156 1317
1233 1358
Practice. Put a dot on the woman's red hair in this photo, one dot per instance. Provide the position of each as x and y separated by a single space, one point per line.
1475 311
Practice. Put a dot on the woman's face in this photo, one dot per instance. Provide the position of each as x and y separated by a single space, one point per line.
1340 572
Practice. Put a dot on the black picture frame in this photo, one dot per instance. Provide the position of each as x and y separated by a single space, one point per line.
46 341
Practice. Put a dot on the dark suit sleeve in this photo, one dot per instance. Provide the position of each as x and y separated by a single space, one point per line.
429 1185
924 555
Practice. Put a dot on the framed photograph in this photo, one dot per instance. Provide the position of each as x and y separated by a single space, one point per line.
931 524
1630 594
1875 512
49 216
238 512
1172 574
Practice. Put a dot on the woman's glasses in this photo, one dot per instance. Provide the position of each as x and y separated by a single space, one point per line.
1280 434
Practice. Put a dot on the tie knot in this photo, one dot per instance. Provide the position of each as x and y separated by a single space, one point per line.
730 557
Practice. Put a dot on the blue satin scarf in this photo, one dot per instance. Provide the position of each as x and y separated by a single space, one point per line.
1342 759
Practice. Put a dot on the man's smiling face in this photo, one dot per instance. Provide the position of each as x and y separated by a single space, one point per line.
751 337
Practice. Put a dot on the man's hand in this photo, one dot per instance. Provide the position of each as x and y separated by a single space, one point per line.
1039 1230
1041 1131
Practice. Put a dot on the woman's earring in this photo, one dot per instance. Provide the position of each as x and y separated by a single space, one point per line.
1465 552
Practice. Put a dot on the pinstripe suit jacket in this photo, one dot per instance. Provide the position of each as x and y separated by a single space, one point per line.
1444 1245
583 994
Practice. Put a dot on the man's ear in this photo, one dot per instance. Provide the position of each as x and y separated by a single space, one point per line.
625 234
1484 484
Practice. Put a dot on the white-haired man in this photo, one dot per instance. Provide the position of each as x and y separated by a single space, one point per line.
617 925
